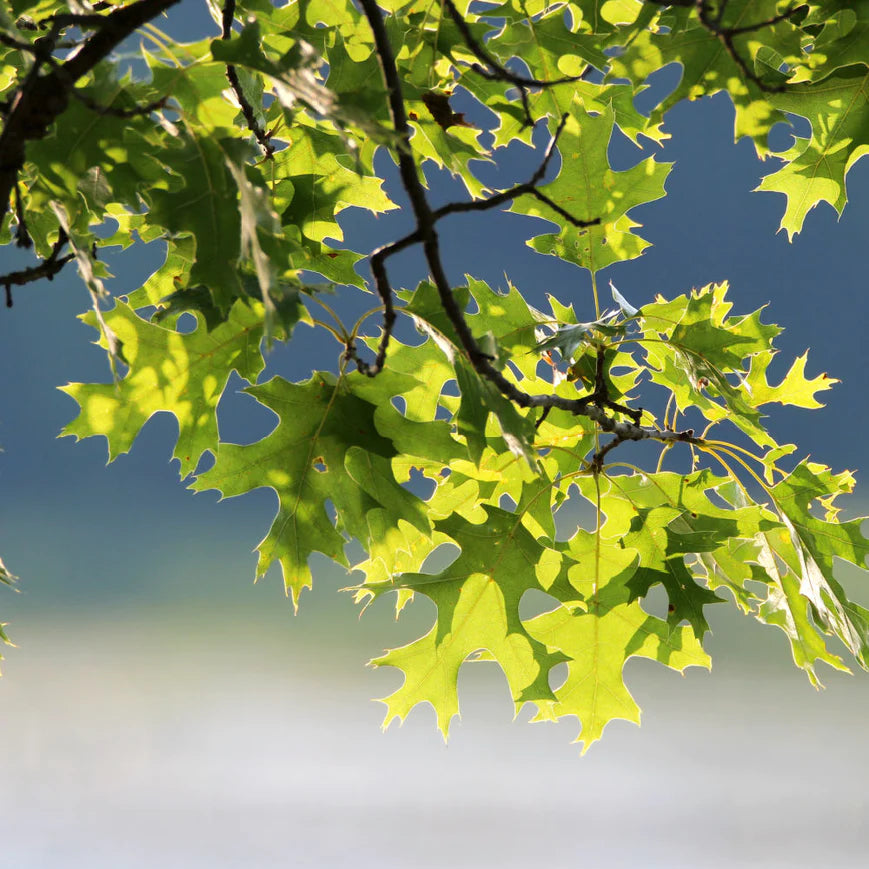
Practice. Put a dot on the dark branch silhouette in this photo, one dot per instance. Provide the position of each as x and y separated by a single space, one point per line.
262 136
592 405
378 258
48 268
490 68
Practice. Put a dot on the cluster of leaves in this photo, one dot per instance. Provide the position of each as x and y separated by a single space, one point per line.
240 152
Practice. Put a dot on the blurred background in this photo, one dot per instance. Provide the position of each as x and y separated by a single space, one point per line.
160 710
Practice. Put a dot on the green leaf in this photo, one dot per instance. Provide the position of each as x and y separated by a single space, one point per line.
842 39
707 65
587 188
663 517
261 239
296 82
696 351
477 599
811 544
795 388
513 321
323 182
325 447
787 608
181 373
600 640
6 577
197 205
550 45
816 169
729 567
91 159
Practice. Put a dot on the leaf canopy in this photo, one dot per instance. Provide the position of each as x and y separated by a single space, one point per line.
465 416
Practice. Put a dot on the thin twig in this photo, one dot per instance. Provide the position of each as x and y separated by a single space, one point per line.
48 268
686 437
263 138
497 71
541 419
725 36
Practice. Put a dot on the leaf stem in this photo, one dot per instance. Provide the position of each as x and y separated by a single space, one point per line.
331 312
594 293
324 325
728 445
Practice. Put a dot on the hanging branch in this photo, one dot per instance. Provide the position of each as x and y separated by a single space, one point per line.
591 406
496 71
262 137
48 268
379 256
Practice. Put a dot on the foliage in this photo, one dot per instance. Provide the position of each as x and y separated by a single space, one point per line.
240 152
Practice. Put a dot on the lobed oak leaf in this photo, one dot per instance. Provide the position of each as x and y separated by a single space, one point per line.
599 640
587 188
794 389
180 373
816 168
477 599
324 449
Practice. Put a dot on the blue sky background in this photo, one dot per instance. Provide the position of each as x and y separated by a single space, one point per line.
160 710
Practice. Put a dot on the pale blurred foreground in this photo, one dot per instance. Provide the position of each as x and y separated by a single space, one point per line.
225 734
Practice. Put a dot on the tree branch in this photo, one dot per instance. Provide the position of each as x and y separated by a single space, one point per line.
253 124
725 36
426 233
48 268
497 71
